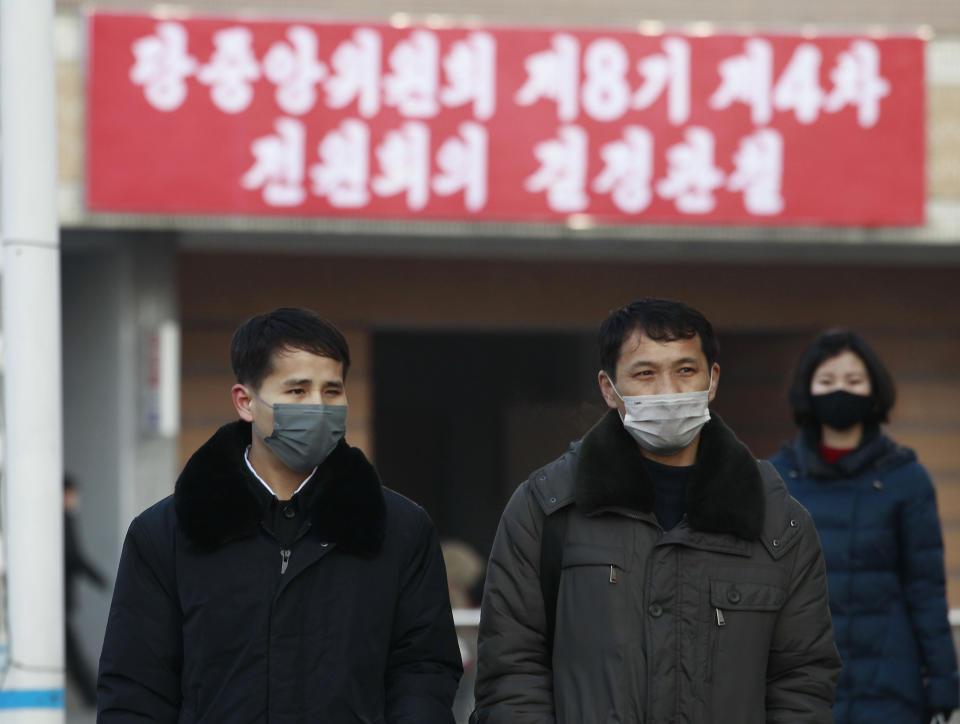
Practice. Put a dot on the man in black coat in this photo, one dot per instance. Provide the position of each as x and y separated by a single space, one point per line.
281 582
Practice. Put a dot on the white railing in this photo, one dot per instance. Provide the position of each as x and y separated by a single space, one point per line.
466 620
469 618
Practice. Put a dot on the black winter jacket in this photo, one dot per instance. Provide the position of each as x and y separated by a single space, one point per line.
204 628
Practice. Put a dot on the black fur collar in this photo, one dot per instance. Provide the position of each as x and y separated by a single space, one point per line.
214 503
725 494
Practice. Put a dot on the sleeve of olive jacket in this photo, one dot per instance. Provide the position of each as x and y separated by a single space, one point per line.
142 653
924 585
424 663
804 664
514 674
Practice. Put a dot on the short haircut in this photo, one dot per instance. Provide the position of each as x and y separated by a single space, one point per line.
663 320
257 340
829 344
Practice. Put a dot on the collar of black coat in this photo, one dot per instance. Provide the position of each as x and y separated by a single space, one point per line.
725 493
214 504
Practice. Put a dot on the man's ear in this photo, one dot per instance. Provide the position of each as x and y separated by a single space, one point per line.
606 389
241 402
715 371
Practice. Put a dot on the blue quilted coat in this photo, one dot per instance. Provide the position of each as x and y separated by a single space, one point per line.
876 513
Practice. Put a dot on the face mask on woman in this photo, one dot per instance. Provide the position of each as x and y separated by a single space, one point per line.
840 409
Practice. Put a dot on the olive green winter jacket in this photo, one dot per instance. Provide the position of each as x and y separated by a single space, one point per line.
722 620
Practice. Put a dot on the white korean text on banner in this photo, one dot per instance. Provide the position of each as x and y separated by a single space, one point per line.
228 116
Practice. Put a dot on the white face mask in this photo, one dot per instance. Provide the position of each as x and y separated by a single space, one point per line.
665 424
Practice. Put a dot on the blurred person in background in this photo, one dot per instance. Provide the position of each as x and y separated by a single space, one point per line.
875 510
657 571
76 565
464 575
464 572
281 581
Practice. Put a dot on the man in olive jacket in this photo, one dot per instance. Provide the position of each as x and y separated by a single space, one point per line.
281 582
685 585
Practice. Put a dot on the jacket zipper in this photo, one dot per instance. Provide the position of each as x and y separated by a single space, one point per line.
284 560
714 645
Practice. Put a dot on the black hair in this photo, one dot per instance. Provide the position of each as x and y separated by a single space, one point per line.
257 340
663 320
829 344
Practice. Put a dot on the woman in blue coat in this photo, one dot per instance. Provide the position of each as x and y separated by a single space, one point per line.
876 513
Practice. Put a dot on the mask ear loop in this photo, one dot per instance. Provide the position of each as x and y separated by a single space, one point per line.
263 402
614 388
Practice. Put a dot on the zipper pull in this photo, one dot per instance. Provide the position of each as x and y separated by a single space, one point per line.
613 574
721 621
284 560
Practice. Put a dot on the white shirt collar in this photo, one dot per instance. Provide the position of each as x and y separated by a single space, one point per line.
246 458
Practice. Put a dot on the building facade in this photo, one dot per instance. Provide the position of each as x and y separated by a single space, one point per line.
473 343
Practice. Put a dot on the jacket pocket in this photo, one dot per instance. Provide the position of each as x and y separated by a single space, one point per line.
741 620
591 554
593 583
734 596
592 565
594 626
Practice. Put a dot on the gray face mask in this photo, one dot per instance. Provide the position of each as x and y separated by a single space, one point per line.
304 435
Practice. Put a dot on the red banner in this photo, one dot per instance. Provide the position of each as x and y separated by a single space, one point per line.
213 115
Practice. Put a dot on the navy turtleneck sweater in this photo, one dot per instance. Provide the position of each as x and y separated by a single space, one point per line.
670 490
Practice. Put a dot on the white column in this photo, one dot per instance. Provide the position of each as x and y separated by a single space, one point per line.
32 688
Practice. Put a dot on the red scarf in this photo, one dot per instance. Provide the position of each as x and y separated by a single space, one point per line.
832 454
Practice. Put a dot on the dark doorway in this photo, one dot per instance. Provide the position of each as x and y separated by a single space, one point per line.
755 372
462 418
